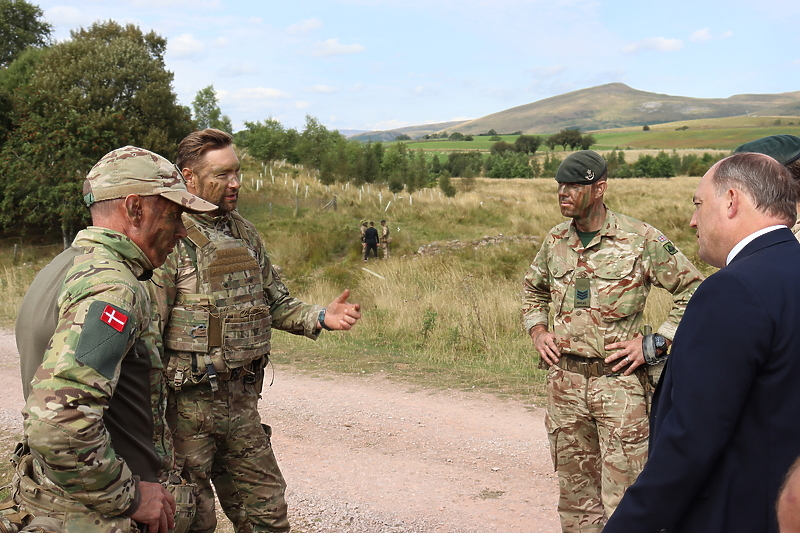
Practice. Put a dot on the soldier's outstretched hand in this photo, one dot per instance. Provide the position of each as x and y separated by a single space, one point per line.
340 314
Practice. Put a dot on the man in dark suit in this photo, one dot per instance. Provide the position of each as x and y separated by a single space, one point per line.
725 425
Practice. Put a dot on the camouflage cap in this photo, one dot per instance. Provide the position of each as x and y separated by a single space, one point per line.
784 149
132 170
584 167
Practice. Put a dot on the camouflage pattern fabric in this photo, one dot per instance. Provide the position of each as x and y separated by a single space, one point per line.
581 414
218 434
104 320
132 170
218 441
385 240
597 296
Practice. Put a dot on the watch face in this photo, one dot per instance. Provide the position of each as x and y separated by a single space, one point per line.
660 343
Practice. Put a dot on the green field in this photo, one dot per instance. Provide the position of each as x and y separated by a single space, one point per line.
717 134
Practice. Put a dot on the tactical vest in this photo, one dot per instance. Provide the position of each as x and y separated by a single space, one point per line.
227 320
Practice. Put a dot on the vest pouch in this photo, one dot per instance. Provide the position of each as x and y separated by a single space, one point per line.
246 335
188 329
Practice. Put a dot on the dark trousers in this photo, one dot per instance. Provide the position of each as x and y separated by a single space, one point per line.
371 246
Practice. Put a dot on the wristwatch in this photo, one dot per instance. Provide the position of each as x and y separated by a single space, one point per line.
655 348
321 319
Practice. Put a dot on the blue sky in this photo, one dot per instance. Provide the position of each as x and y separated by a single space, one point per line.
381 64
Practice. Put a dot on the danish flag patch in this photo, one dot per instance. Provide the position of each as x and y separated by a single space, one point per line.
114 318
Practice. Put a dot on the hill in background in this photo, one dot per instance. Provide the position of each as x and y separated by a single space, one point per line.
609 106
415 132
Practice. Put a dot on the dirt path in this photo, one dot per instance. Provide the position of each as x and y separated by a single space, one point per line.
369 455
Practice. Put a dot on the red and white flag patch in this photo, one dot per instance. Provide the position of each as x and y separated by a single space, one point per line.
114 318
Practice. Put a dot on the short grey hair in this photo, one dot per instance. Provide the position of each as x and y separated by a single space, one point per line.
768 183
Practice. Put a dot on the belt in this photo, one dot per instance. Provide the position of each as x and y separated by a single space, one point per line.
588 367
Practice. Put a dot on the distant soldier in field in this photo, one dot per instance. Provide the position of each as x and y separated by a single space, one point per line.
220 297
363 238
95 423
386 239
785 149
595 272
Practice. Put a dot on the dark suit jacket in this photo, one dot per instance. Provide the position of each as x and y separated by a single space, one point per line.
371 236
726 419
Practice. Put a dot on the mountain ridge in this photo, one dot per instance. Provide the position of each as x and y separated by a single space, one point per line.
607 106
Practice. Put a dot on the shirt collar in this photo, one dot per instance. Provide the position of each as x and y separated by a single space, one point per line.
747 240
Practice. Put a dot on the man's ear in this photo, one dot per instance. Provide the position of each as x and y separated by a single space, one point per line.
733 202
134 209
600 188
189 177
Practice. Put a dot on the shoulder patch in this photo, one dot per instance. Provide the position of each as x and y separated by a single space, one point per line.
661 238
104 338
670 248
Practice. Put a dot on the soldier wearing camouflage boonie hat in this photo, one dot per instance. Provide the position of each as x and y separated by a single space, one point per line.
132 170
101 457
594 273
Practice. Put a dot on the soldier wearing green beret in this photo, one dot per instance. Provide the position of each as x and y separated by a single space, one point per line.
594 272
219 297
785 149
92 372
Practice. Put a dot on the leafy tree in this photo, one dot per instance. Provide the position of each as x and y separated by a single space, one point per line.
645 128
501 147
456 136
267 141
396 165
445 185
436 165
314 141
527 144
402 137
495 138
104 88
491 132
508 165
21 26
458 163
207 113
587 141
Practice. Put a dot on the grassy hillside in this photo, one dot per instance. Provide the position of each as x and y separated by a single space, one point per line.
615 105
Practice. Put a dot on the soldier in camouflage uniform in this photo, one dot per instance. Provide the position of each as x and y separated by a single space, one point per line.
94 420
595 271
785 149
222 297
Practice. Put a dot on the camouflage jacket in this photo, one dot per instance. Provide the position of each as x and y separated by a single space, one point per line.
94 417
178 276
598 293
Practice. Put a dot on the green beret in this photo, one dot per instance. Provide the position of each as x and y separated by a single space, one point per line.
783 148
584 167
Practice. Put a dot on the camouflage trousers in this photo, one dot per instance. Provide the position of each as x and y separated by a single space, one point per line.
219 439
385 249
598 430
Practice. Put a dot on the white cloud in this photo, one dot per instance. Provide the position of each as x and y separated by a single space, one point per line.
659 44
185 45
332 47
301 104
324 89
701 36
419 90
305 27
220 42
